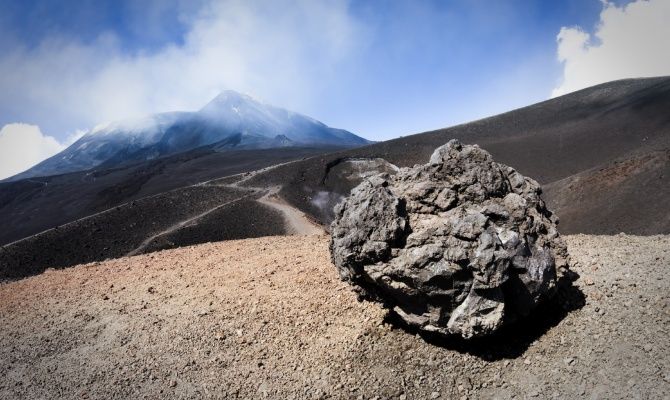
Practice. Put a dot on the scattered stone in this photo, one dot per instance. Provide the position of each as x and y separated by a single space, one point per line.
460 245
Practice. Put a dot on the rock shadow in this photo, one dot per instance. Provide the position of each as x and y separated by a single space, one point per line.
513 340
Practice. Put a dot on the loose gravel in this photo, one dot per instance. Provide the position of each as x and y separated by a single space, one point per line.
269 318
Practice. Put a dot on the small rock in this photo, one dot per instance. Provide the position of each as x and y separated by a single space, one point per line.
173 383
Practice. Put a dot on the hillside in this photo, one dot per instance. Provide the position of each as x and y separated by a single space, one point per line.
602 155
269 317
580 135
33 205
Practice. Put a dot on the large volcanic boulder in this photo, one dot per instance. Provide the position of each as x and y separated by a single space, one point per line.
461 245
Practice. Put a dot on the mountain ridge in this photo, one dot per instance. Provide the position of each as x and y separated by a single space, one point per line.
235 120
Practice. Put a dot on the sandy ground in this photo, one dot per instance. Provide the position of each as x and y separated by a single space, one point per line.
269 318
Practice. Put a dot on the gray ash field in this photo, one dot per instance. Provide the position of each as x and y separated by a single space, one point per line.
112 233
245 218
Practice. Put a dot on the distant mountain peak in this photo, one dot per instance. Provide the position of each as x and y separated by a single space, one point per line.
228 99
230 120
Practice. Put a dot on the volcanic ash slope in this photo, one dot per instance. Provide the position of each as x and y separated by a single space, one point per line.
269 317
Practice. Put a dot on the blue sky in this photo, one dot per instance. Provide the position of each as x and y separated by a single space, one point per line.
381 69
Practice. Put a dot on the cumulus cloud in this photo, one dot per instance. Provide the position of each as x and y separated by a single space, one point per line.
282 52
630 41
22 146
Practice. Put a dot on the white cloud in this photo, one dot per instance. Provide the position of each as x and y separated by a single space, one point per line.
74 136
629 42
22 146
282 52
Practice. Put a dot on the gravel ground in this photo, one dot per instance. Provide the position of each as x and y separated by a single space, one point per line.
268 317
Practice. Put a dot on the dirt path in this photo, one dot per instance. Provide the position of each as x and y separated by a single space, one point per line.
296 221
269 318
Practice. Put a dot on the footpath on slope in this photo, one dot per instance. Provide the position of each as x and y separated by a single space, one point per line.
269 317
296 222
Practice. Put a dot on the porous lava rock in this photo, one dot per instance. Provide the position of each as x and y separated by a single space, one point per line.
461 245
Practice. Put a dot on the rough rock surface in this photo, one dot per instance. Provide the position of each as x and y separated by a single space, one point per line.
461 245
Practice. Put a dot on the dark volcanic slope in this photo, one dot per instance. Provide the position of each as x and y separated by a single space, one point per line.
602 154
34 205
240 220
176 218
630 194
580 133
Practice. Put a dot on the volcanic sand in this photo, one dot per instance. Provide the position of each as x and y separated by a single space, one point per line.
268 317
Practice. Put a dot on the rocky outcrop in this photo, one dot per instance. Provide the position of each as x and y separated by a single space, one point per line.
461 245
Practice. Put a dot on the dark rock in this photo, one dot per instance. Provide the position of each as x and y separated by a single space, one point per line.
461 245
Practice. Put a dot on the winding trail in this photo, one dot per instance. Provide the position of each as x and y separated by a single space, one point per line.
296 222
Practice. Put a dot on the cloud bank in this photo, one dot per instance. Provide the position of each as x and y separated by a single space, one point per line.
22 146
282 52
629 42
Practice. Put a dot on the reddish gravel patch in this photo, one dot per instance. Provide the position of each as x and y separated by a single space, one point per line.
269 317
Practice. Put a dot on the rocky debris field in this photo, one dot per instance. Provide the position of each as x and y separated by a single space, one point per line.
269 318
